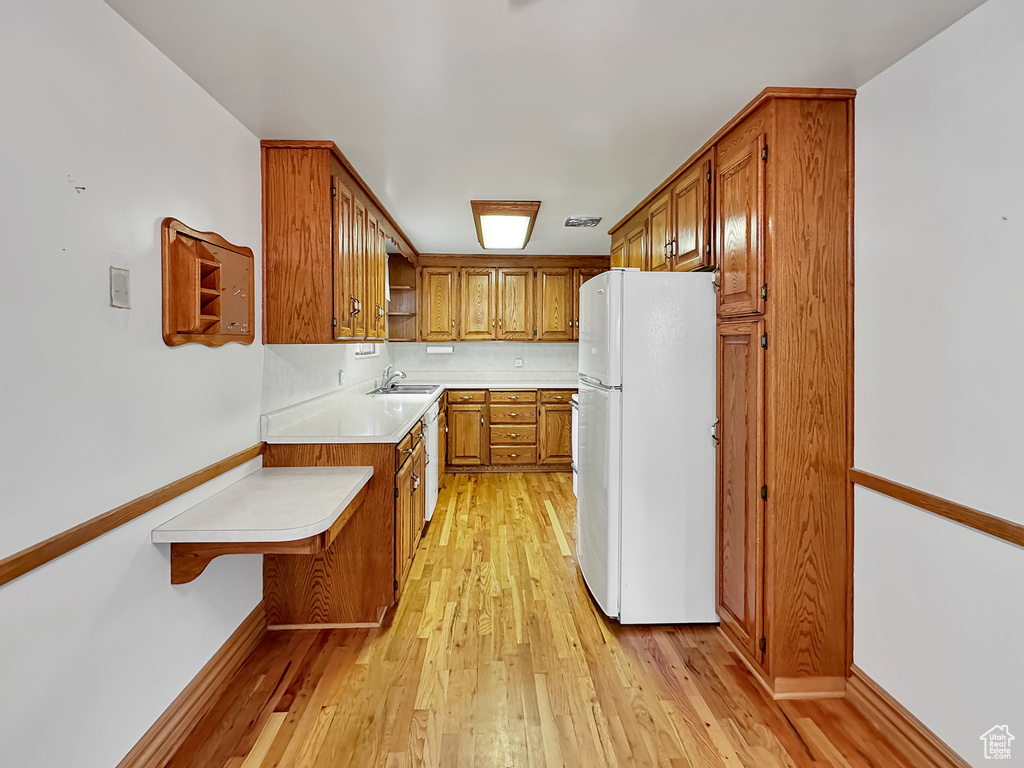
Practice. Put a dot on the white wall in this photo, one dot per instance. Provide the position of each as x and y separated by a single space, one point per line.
939 367
100 138
293 373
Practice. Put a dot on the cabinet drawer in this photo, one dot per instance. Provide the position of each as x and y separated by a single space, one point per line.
514 435
513 454
513 414
556 395
467 396
514 396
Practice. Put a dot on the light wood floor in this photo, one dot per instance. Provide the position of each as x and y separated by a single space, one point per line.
496 657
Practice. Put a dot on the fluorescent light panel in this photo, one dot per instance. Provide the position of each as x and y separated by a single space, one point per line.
500 231
504 224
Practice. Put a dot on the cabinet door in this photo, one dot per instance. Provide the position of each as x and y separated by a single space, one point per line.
373 300
619 252
419 496
555 304
442 442
635 246
691 206
740 460
554 441
478 294
437 303
515 304
741 220
345 299
403 520
581 276
467 435
359 245
659 225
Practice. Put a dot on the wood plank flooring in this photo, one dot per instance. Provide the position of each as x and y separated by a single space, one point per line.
496 657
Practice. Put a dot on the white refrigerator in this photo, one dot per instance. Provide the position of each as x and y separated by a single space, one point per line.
646 465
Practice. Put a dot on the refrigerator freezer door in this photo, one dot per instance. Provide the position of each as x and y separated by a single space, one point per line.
600 349
598 503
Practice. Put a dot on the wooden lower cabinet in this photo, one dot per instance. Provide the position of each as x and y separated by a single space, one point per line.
360 576
467 433
525 429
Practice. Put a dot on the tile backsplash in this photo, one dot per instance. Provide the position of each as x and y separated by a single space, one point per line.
487 356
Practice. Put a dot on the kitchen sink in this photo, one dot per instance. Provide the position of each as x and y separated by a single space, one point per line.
408 389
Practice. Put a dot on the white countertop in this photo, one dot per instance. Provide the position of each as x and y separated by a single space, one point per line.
350 416
271 504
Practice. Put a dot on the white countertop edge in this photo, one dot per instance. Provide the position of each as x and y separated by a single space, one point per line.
164 535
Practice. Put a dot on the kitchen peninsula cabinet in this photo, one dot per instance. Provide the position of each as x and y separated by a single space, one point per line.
361 574
324 247
776 220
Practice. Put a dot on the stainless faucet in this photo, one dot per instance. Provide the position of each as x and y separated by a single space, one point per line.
388 379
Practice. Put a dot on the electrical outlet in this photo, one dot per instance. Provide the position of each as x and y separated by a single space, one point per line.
341 378
120 293
519 362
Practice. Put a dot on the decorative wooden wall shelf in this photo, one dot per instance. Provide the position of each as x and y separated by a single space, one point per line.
209 293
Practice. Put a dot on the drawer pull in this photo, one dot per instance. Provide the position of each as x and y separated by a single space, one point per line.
513 434
513 414
558 397
513 455
513 397
466 397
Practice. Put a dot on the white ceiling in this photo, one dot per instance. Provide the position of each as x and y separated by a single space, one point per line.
585 105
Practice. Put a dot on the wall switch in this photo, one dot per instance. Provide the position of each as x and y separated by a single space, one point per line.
120 294
341 378
519 362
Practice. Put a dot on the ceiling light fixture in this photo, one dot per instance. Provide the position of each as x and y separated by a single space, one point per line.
504 224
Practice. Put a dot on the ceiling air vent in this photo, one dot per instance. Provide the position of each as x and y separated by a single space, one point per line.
583 221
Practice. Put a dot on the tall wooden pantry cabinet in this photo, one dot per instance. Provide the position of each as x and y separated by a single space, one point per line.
777 185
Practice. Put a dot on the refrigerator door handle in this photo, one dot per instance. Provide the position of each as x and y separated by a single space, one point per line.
597 383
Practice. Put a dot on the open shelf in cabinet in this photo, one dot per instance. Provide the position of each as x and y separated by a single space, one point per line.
402 307
208 286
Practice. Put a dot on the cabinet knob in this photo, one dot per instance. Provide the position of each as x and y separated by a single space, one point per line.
453 322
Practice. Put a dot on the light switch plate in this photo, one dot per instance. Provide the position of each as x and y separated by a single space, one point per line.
519 362
120 291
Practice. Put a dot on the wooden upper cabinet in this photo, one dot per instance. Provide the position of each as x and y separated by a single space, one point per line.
691 215
478 293
437 303
582 275
515 304
374 294
660 237
555 304
636 248
345 298
740 476
618 256
467 435
740 222
359 241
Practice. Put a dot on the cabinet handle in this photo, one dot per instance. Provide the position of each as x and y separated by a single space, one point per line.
415 481
453 323
714 283
714 432
558 397
492 323
513 455
513 434
570 322
481 421
355 307
513 414
513 397
407 450
499 323
380 311
466 397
